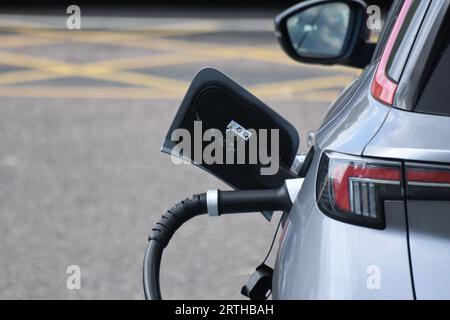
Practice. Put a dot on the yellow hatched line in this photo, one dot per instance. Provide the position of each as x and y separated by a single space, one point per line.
21 60
87 92
151 61
86 36
181 26
145 81
175 45
73 92
116 37
208 51
50 69
262 53
14 41
135 39
108 70
287 88
197 52
16 77
7 23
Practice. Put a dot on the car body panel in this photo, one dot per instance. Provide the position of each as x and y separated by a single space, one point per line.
429 234
412 136
355 124
321 258
418 137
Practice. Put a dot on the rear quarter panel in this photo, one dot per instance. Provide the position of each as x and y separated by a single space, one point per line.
321 258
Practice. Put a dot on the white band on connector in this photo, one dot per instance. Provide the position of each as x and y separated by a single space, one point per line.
212 202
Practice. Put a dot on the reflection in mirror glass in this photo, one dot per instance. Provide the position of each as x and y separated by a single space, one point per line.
320 31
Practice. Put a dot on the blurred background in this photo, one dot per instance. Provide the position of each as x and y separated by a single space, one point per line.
83 114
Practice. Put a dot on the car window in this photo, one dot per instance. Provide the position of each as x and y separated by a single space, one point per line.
435 95
406 38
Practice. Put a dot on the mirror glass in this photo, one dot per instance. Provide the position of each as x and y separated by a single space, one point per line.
320 31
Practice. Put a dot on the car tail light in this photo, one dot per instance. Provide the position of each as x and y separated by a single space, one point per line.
384 88
428 182
353 189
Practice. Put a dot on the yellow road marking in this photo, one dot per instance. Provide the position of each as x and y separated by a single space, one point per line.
12 23
86 36
151 61
182 26
15 77
144 80
72 92
261 53
287 88
185 52
273 55
111 37
21 60
87 92
53 69
15 41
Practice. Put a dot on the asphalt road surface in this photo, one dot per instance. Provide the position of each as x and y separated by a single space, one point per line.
82 117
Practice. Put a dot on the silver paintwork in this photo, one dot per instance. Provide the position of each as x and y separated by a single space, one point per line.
293 187
429 225
356 123
412 136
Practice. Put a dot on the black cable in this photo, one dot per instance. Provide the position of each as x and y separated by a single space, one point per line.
273 240
152 263
160 237
224 202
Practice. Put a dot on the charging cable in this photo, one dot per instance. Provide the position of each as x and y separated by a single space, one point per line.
213 203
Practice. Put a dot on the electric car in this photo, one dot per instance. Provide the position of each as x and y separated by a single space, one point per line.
370 218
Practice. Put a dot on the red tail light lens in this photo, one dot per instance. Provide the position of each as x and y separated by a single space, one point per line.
353 189
383 88
428 182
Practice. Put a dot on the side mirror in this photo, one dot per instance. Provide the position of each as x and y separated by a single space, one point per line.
325 32
223 129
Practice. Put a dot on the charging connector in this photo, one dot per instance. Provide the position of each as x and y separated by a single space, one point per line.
215 203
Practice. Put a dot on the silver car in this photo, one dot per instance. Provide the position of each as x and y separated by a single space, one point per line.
372 220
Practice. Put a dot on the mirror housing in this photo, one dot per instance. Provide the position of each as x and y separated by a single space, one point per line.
350 47
215 102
